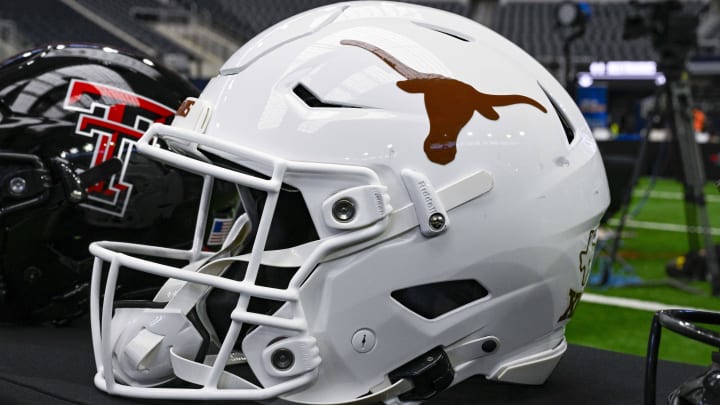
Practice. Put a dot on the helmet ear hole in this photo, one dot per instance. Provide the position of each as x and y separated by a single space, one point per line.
436 299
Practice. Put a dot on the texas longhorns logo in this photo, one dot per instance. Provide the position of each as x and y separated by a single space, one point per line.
449 103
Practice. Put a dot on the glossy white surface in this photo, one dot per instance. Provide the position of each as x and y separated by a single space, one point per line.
520 232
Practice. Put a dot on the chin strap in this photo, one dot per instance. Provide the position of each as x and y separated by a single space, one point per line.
196 373
181 296
384 394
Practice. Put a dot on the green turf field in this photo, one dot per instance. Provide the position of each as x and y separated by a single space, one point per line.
646 252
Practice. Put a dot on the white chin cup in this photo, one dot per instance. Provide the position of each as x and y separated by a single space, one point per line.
141 342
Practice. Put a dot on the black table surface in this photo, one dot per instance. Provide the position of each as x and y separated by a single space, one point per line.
50 365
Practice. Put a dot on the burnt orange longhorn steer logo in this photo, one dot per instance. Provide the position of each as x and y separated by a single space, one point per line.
449 103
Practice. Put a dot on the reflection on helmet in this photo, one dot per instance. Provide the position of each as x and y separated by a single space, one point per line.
392 241
69 118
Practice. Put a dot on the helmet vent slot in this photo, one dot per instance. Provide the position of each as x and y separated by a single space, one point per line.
569 130
433 300
442 30
311 100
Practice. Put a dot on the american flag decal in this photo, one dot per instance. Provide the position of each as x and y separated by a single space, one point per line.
219 231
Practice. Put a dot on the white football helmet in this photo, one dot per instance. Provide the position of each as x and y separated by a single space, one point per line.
393 242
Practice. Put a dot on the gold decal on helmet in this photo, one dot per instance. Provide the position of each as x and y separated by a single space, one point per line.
449 103
185 107
574 300
586 256
585 259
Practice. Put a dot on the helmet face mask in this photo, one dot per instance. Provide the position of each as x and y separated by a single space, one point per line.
69 117
686 322
383 249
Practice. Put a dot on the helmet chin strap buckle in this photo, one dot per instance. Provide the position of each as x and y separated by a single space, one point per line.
430 373
418 380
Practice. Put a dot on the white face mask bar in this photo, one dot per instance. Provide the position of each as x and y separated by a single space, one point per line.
146 350
147 345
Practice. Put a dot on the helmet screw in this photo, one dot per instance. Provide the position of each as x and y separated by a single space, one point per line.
18 186
363 340
437 221
343 210
76 195
32 274
282 359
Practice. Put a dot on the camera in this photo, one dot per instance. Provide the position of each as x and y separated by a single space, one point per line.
673 32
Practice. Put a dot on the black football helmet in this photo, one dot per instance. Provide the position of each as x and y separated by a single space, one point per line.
703 389
69 118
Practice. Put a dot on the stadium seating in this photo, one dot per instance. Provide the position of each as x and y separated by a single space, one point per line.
532 27
45 21
244 19
118 12
128 24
